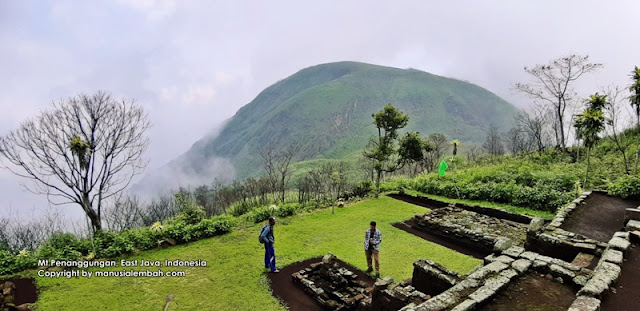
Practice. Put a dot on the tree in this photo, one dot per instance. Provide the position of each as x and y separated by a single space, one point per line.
590 123
411 151
283 167
615 123
553 85
438 146
388 121
83 150
493 145
516 140
533 123
635 93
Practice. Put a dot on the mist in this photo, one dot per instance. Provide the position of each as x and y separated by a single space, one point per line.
193 64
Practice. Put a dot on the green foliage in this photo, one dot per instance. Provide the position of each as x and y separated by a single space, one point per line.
190 212
10 262
263 213
63 246
234 274
327 108
626 186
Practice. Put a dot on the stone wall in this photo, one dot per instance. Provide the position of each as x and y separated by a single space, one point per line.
553 241
432 278
334 288
8 298
389 296
471 229
485 281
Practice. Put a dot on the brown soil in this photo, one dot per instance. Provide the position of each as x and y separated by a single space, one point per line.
294 297
448 243
25 290
624 296
599 217
532 292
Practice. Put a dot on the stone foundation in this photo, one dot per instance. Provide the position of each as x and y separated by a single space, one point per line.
471 229
7 298
334 288
432 278
389 296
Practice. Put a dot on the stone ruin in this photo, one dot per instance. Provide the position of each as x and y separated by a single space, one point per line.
445 290
589 267
7 298
470 228
333 287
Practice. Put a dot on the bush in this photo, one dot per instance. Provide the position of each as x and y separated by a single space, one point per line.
625 186
263 213
362 189
63 246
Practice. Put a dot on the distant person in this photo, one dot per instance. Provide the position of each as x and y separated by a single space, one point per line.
372 239
266 238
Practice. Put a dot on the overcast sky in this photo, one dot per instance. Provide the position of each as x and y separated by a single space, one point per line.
192 64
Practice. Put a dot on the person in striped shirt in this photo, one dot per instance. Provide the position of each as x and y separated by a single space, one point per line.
372 239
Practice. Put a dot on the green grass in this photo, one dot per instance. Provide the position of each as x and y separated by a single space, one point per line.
234 279
505 207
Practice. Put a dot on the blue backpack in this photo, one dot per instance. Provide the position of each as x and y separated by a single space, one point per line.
260 239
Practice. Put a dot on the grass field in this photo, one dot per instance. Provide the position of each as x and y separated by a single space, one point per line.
234 277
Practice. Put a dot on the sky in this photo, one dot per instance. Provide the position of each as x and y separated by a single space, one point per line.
193 64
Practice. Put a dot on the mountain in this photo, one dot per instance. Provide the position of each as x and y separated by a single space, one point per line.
327 110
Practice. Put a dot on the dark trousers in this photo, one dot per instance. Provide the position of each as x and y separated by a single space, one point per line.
269 257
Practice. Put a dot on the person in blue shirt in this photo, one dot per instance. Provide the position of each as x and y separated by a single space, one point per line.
266 237
372 240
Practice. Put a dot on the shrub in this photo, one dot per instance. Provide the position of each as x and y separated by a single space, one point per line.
63 246
625 186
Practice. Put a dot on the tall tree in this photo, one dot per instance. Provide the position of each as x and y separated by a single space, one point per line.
553 85
83 150
382 150
635 93
590 123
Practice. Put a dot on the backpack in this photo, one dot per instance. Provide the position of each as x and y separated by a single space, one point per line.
260 235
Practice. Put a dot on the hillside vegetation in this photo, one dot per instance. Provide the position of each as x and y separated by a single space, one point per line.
326 109
234 279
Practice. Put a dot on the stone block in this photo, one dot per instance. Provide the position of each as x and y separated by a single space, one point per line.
529 255
466 305
561 272
513 251
613 256
504 259
633 225
619 244
621 234
536 224
521 265
502 244
584 303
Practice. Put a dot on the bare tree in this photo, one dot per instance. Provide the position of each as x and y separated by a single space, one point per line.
438 149
124 213
473 154
516 140
283 166
616 122
553 85
84 150
493 145
533 123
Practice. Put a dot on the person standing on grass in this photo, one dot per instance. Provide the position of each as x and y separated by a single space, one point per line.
266 237
372 239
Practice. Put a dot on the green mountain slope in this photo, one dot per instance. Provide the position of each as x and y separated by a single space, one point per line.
327 110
